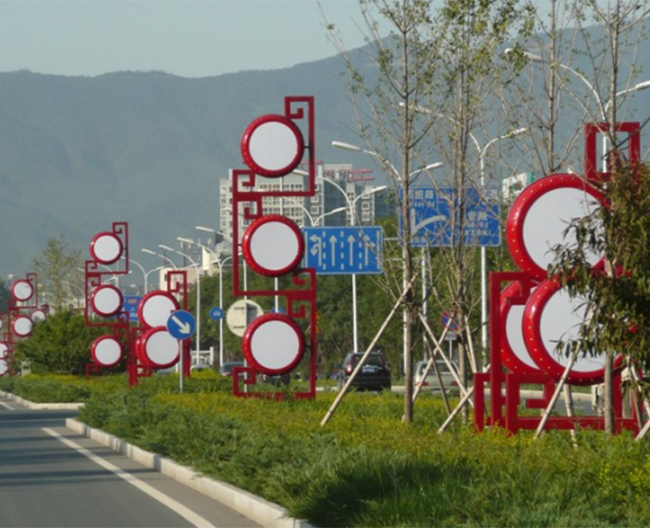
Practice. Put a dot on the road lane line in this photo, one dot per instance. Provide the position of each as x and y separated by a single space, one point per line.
183 511
7 406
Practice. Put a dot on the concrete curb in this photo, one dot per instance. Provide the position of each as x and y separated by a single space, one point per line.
33 405
261 511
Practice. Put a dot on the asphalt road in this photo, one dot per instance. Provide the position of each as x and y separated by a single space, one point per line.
51 477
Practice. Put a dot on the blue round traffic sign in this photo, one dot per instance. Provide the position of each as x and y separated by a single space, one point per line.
216 313
181 324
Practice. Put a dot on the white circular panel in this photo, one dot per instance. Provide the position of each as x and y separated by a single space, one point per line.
22 326
106 300
106 248
549 217
4 350
22 290
4 367
107 351
38 316
515 335
156 307
274 245
273 145
162 349
275 346
561 319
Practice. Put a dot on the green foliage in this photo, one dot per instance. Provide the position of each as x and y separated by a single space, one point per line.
617 298
5 295
367 469
59 345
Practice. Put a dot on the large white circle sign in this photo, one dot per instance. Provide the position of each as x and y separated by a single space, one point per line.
106 351
106 300
22 290
273 245
272 145
159 348
106 248
22 326
155 308
539 219
273 344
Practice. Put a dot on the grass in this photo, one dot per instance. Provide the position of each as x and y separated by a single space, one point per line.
366 468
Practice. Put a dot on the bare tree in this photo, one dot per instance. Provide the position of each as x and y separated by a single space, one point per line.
440 61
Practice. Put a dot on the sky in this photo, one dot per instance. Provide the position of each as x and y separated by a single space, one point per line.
188 38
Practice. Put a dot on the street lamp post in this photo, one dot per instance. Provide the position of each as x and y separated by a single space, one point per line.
198 300
144 273
316 221
602 107
431 166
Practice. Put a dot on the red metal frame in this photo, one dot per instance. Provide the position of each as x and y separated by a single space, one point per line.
505 387
301 301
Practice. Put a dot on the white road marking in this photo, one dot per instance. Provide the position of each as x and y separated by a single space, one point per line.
7 406
183 511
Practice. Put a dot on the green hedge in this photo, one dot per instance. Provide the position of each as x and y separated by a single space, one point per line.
366 468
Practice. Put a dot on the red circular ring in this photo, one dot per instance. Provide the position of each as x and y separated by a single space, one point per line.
141 348
94 241
508 356
535 343
146 298
248 135
18 283
97 342
247 240
97 290
520 208
254 327
20 318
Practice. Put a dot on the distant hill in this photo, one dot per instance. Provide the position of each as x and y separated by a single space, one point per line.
78 153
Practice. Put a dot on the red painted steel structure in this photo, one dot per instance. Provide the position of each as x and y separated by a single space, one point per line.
507 374
298 120
111 248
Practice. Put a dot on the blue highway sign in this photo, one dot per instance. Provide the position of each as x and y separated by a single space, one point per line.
181 324
344 250
130 305
435 220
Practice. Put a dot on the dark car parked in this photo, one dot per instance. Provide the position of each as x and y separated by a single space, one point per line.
374 373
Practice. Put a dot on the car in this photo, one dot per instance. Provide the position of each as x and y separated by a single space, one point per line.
374 374
431 381
227 368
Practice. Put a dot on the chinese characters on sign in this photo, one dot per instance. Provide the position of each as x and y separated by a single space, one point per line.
437 216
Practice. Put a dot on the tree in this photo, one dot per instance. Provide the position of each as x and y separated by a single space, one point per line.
5 295
59 345
617 297
440 60
58 269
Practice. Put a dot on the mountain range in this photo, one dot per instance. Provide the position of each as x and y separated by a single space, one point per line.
149 148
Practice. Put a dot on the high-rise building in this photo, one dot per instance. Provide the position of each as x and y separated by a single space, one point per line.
341 191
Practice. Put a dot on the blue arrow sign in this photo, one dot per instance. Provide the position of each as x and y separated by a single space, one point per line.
344 250
181 324
435 219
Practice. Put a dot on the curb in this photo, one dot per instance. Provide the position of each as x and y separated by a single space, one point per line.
33 405
261 511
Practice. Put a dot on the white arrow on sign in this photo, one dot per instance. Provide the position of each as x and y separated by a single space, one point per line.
184 328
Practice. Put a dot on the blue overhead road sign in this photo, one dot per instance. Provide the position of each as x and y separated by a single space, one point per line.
181 324
434 217
344 250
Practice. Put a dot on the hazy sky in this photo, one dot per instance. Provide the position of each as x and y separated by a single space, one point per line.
190 38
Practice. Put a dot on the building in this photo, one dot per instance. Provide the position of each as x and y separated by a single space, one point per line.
341 191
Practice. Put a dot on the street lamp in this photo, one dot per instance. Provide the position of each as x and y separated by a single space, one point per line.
144 273
165 257
198 298
603 108
315 221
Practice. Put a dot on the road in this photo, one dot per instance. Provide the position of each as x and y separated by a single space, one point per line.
51 477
